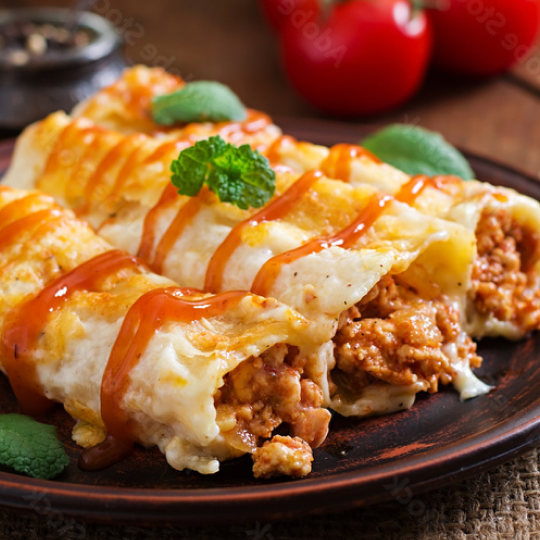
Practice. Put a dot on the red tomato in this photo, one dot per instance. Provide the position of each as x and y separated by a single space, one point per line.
366 57
483 37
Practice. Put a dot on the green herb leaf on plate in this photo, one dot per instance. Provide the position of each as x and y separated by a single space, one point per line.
238 175
415 150
30 447
199 101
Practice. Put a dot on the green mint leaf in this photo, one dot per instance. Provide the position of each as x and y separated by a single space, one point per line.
199 101
237 175
415 150
30 447
190 169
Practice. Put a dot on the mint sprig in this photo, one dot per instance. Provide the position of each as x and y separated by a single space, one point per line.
199 101
30 447
238 175
415 150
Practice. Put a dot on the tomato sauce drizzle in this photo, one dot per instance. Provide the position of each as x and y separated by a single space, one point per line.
255 121
278 208
148 237
183 218
163 150
19 208
338 162
38 224
346 238
145 318
127 147
411 190
85 162
60 150
24 325
24 215
274 151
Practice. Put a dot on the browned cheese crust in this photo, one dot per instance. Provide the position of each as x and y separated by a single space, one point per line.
395 337
504 282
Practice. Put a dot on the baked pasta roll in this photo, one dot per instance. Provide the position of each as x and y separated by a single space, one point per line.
504 294
321 246
134 358
125 107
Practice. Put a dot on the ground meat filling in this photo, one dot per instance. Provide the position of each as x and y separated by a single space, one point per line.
282 455
396 337
504 282
267 392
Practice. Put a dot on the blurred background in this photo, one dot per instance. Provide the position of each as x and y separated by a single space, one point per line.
231 42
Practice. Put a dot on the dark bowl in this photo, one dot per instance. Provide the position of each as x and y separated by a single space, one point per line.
60 78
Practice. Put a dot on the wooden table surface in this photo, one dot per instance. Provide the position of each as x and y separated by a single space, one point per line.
229 41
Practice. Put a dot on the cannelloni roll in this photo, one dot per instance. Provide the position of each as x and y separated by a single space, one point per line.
348 258
504 295
125 107
134 358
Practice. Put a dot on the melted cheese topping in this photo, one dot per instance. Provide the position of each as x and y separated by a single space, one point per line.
170 395
122 187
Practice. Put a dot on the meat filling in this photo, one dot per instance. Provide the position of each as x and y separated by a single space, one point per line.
266 392
396 337
282 455
504 281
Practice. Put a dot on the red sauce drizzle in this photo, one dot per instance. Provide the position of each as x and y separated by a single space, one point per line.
233 131
131 163
183 218
163 151
129 146
18 208
338 162
37 223
144 319
24 215
90 151
24 324
278 208
148 237
346 238
60 151
185 215
411 190
255 121
275 150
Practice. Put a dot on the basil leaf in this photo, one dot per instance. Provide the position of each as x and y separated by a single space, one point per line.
199 101
415 150
30 447
238 175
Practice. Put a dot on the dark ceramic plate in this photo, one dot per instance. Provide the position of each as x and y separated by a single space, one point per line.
439 441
